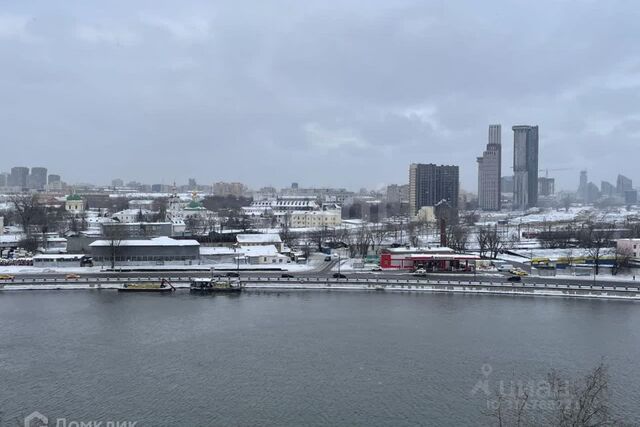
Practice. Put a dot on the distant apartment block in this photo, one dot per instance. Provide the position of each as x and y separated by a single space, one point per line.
430 184
18 177
54 182
397 193
506 184
623 184
308 219
607 189
546 186
235 189
37 179
525 166
489 172
583 187
631 197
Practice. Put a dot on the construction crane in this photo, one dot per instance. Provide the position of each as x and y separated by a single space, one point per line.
546 171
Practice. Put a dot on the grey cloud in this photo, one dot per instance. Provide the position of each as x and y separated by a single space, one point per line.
327 93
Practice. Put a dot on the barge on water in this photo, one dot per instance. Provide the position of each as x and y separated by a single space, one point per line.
162 286
215 286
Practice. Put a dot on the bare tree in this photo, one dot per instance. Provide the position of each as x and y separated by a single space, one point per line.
363 240
494 242
29 211
595 240
457 237
481 238
559 402
489 241
622 258
566 202
192 225
114 235
378 235
584 402
160 206
288 238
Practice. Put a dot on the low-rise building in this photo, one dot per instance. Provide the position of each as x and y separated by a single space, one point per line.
74 204
630 247
263 255
132 215
136 230
249 240
431 259
309 219
157 251
60 260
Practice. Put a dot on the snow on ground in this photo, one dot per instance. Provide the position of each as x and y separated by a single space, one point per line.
627 277
559 253
28 269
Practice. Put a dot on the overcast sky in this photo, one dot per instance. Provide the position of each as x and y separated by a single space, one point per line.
326 93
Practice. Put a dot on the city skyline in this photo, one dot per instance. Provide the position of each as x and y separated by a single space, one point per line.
161 92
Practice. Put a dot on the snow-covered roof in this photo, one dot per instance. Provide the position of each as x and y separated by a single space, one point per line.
258 251
133 212
258 238
58 256
412 250
217 250
11 238
157 241
317 213
285 204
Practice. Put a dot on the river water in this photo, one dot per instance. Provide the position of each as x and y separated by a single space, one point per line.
299 358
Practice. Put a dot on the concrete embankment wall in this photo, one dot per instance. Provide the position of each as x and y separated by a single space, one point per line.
621 291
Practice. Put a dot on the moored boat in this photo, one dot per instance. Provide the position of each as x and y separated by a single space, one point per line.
215 285
162 286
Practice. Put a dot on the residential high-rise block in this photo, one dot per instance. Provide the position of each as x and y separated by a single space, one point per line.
546 186
490 171
18 177
506 184
583 188
54 182
430 184
38 178
525 166
607 189
624 184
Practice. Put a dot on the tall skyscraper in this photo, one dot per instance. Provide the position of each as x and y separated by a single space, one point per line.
525 166
18 177
429 184
489 171
583 189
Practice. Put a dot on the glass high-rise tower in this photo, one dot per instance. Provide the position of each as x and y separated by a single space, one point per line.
525 166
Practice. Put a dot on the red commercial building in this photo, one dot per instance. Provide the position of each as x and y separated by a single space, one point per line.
431 259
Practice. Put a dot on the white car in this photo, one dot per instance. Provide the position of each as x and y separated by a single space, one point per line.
376 268
420 271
